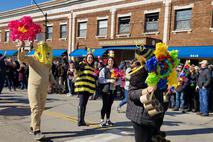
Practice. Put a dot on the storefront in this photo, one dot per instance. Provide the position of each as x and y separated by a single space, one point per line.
194 53
125 47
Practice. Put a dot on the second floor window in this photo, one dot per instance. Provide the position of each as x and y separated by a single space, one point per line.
49 32
124 25
63 31
7 36
102 27
151 24
82 29
183 19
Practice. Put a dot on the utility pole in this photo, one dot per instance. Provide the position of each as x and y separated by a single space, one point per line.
45 19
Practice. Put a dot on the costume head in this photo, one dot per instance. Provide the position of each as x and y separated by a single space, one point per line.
142 54
43 53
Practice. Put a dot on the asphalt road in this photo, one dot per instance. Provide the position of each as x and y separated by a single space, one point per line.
59 122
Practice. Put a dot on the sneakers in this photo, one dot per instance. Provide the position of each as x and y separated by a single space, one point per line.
176 109
118 109
103 124
31 131
38 135
109 123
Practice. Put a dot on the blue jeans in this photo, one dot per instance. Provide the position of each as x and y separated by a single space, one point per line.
203 98
124 101
179 100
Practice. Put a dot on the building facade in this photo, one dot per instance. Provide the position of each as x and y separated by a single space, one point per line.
82 24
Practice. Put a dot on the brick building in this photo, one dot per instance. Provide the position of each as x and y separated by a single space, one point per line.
185 25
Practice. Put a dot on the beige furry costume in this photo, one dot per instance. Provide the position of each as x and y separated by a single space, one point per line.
39 77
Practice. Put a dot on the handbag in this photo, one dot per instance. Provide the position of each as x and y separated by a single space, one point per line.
106 88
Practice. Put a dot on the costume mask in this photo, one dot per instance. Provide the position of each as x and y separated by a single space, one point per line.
43 53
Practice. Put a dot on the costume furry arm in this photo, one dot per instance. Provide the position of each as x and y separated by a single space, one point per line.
22 56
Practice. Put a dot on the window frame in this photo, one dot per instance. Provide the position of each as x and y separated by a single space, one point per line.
49 33
79 30
145 25
98 27
63 32
175 22
119 24
6 38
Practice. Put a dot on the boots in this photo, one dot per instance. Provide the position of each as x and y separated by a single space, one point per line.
159 138
81 114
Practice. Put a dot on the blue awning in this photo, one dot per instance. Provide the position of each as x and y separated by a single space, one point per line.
56 52
132 47
193 51
9 52
83 52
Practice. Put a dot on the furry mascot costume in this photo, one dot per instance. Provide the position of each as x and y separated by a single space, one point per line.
39 77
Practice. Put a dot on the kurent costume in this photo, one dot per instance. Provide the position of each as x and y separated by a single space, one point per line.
145 108
84 86
39 77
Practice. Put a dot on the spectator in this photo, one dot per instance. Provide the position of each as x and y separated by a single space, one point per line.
204 83
71 78
192 90
21 76
107 91
2 71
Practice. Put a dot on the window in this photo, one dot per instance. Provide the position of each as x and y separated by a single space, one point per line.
212 20
183 19
39 37
63 31
49 32
82 29
124 25
102 27
7 36
151 24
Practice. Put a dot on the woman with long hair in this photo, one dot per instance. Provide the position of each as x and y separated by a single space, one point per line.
107 91
85 85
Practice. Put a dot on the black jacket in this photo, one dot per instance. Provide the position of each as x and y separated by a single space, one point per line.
135 110
204 78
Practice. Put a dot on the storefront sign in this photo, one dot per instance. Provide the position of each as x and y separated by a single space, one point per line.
120 42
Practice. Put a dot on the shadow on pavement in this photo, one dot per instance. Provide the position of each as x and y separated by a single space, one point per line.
87 132
15 111
171 123
190 132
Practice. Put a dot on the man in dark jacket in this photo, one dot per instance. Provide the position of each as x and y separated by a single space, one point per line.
203 83
2 71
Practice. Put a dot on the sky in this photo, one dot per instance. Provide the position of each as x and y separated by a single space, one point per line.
13 4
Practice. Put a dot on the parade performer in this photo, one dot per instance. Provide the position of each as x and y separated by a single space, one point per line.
40 65
39 77
107 79
85 85
147 84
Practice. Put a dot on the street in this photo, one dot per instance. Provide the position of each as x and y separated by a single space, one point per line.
59 122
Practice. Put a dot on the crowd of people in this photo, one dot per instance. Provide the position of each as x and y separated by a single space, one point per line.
103 78
184 98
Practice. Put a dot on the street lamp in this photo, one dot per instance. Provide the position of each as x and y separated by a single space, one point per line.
45 20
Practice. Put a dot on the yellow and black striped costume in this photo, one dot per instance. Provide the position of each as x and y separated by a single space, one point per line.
85 81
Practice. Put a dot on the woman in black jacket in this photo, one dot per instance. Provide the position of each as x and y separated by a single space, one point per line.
145 127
